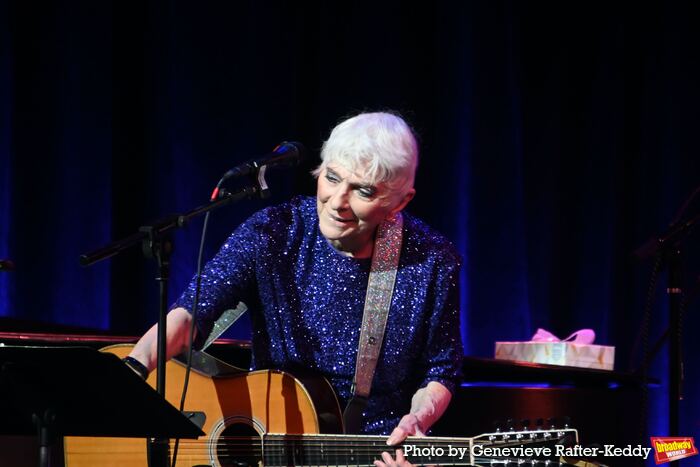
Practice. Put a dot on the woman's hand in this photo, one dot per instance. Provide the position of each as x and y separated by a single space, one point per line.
388 461
427 405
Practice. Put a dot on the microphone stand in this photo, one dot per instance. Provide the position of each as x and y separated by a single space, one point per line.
156 243
669 247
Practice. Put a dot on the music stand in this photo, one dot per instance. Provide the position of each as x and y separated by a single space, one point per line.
53 392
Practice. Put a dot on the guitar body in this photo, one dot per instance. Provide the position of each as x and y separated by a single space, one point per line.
246 404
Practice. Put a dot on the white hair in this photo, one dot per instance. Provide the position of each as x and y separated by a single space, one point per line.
380 143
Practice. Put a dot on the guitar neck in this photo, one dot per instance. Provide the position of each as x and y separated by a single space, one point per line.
363 450
359 450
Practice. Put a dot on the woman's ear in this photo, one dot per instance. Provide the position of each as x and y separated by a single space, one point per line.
404 201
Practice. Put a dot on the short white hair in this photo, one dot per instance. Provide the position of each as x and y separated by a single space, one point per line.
381 143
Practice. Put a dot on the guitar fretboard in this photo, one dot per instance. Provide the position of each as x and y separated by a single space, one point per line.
358 451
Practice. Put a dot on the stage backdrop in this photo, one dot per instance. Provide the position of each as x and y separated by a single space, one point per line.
555 139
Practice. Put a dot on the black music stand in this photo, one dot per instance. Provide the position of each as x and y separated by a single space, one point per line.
53 392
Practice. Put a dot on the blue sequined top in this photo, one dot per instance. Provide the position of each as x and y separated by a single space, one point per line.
307 302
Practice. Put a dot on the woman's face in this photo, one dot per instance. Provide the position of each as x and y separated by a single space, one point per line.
350 208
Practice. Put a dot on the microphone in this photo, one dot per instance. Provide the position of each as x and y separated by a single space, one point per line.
286 154
6 265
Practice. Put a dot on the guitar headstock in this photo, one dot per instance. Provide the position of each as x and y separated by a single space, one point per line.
515 437
518 442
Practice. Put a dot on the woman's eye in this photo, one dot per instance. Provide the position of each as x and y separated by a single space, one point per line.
366 192
331 178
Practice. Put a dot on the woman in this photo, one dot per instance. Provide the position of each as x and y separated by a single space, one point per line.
303 268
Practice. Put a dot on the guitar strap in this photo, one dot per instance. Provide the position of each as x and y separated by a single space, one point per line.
380 289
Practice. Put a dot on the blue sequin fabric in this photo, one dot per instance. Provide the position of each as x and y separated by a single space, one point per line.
307 301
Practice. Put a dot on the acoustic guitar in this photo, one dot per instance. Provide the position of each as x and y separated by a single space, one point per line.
270 418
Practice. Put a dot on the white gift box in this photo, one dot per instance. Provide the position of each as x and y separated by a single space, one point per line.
601 357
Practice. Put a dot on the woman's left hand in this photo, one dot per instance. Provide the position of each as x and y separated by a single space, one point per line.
388 461
408 426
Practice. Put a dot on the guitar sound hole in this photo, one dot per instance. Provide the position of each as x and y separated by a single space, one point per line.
239 445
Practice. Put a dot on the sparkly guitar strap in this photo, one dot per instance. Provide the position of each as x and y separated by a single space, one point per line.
380 288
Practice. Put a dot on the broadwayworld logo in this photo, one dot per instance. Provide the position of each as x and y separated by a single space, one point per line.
669 449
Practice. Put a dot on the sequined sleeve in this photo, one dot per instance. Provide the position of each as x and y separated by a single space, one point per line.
227 278
443 356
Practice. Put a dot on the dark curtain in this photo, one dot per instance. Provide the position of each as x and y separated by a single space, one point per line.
556 138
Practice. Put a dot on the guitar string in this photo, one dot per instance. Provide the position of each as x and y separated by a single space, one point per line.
340 442
310 457
310 441
360 441
321 460
320 438
313 456
307 449
242 443
319 457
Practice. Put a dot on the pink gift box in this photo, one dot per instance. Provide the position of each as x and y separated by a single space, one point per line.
601 357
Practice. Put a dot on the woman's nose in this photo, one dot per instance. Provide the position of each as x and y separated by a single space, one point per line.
339 199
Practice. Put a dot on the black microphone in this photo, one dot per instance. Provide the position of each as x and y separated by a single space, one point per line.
6 265
286 154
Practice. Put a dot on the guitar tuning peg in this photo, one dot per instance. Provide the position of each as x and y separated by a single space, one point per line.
551 422
566 422
539 423
510 424
497 426
525 423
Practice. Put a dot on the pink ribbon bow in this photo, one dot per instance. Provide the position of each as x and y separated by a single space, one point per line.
582 336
